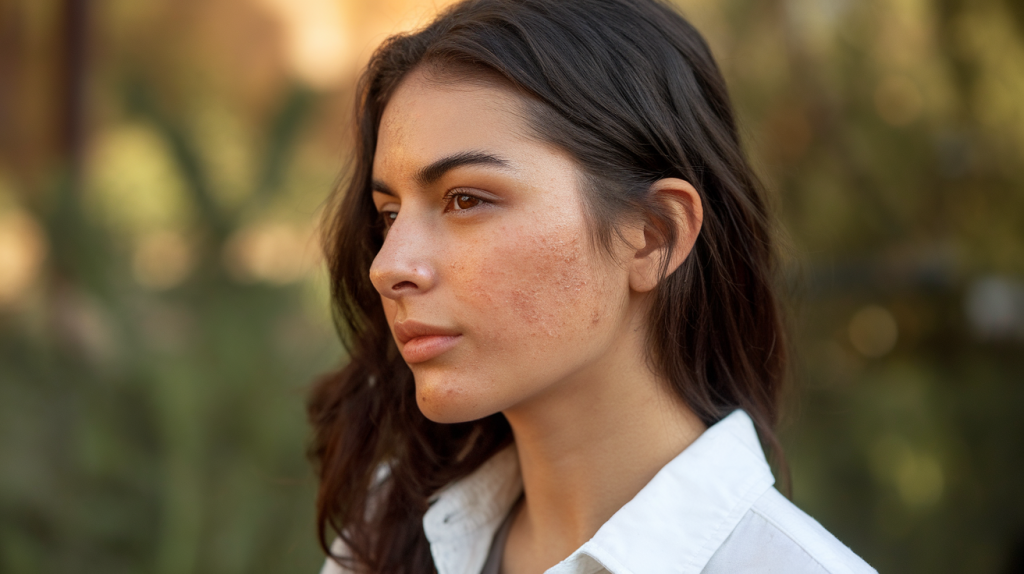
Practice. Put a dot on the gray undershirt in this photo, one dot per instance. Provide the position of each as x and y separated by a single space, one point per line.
497 551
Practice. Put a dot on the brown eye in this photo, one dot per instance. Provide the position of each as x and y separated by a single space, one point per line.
388 218
466 201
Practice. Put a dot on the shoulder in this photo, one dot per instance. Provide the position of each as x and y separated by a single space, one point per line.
776 536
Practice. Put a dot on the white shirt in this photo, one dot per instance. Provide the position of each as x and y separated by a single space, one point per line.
713 509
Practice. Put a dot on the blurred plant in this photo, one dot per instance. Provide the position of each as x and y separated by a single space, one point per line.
151 402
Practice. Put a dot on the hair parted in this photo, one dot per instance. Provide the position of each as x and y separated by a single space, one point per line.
631 91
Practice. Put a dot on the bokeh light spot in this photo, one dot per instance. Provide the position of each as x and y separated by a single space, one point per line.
274 253
995 308
920 480
23 249
161 260
134 183
873 331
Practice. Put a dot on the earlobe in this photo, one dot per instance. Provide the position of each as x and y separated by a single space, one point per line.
682 210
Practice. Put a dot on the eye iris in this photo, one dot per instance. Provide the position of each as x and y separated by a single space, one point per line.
466 201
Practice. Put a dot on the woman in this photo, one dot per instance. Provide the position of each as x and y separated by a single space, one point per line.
554 271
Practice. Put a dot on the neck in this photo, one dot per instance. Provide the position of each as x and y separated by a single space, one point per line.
589 446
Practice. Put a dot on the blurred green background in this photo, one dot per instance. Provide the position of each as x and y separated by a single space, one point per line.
163 307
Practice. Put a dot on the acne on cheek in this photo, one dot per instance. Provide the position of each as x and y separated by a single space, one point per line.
545 284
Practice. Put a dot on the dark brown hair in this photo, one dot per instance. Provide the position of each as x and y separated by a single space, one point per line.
629 89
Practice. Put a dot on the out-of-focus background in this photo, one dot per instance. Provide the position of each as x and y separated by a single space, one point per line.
163 306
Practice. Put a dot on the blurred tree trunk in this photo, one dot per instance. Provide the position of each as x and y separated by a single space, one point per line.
73 68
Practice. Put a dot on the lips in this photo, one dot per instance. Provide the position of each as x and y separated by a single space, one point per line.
421 342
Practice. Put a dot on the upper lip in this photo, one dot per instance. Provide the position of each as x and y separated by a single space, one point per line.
406 331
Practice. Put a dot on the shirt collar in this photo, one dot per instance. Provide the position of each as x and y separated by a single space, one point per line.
673 525
464 515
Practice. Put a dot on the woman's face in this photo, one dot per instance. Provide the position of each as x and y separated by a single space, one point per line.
487 274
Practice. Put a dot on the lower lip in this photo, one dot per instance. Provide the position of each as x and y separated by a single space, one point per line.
423 349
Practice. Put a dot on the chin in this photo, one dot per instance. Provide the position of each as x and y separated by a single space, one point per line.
445 401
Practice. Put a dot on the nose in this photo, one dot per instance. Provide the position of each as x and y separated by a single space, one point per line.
402 266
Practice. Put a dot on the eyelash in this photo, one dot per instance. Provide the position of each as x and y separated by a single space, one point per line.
450 198
386 220
388 217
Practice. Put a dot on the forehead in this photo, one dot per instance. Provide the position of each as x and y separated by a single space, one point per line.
429 117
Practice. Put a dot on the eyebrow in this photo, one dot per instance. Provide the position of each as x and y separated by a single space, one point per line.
436 170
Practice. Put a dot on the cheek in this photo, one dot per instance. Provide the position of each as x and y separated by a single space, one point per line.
536 288
551 286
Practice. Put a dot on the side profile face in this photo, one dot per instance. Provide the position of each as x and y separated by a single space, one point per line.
487 275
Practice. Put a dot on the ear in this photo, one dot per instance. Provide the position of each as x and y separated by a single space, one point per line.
684 211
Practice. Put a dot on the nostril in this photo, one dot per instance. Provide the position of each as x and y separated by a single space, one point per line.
403 285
